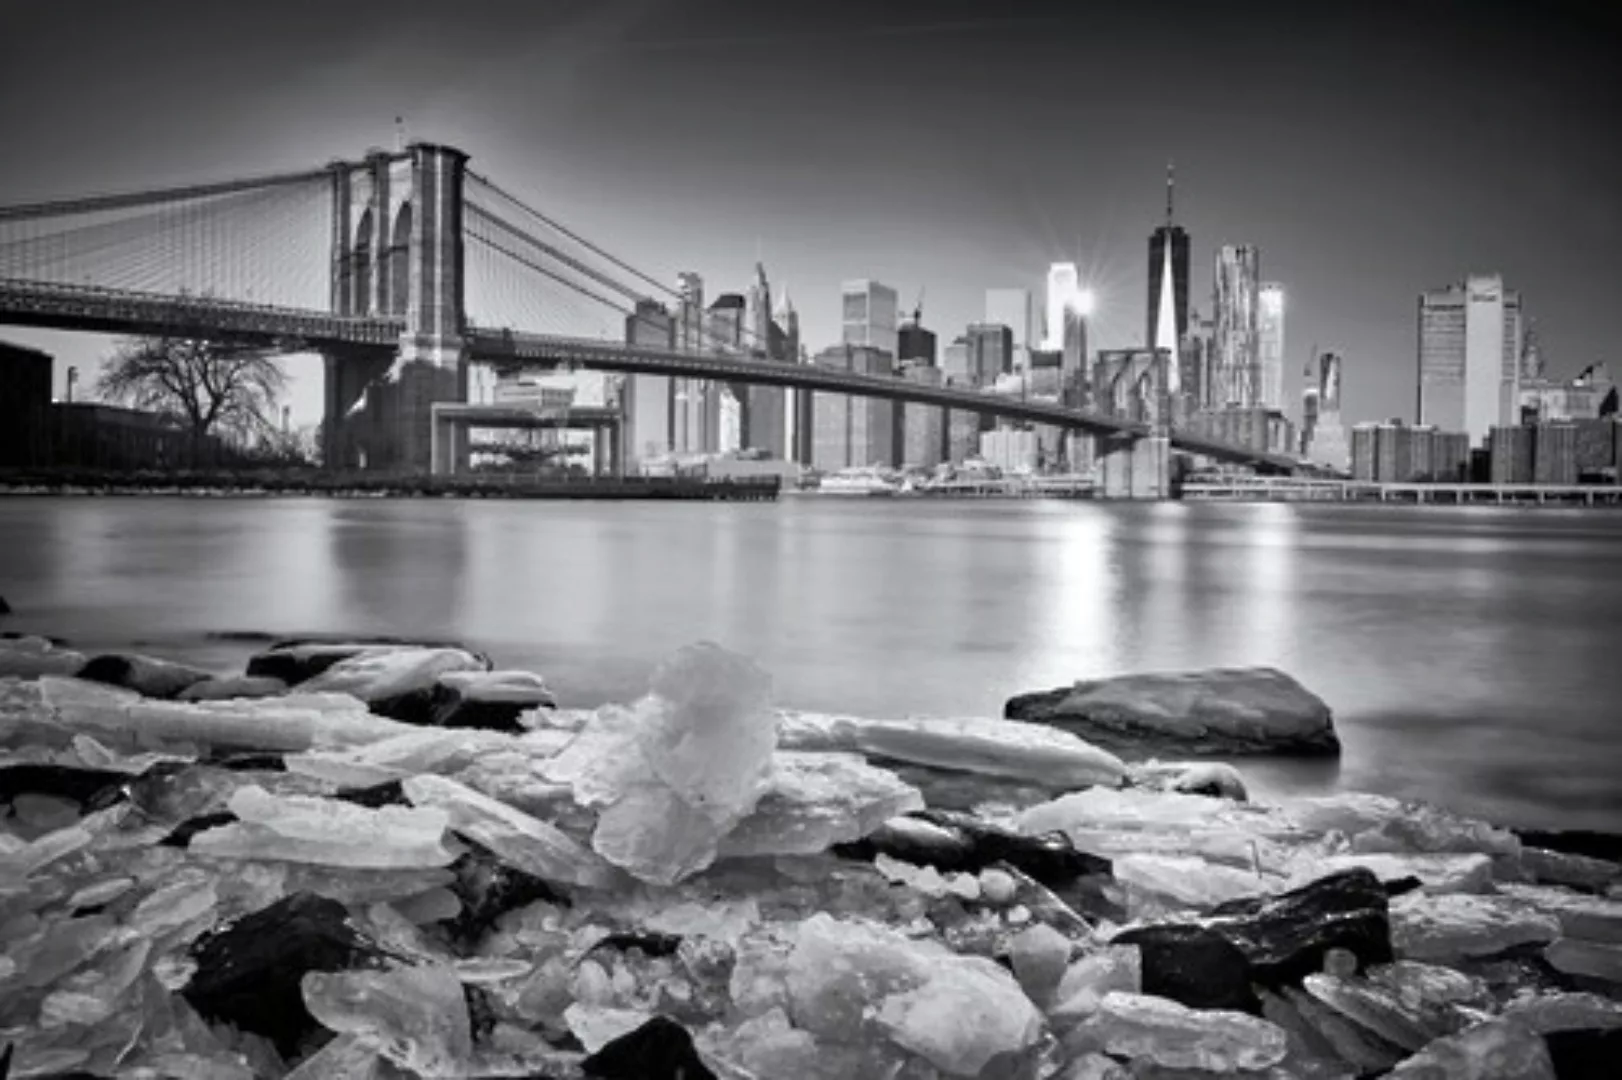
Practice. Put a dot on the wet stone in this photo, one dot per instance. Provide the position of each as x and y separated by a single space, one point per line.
660 1049
147 676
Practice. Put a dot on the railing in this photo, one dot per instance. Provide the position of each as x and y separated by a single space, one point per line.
94 303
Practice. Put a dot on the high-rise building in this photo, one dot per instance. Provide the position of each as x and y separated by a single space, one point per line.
725 324
1012 308
1393 452
1270 343
849 431
1238 274
1309 418
1197 379
1554 454
915 343
1168 279
990 352
647 403
1470 356
1511 449
955 362
1363 458
695 411
767 416
1011 450
921 431
870 315
1064 283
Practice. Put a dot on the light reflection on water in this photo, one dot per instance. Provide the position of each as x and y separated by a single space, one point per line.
1469 653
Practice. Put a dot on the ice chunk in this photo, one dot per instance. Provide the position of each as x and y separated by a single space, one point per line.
1591 918
1085 982
1494 1048
1437 873
1454 926
967 1013
814 801
32 657
526 843
1039 955
1378 823
1592 959
1167 1034
1172 882
381 675
308 829
1009 748
596 1026
1548 1013
416 1017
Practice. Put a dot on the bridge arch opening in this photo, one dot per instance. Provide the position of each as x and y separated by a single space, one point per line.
362 276
399 261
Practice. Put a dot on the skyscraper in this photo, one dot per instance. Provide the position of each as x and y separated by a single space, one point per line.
725 402
1063 285
1238 273
646 423
1270 344
870 315
991 352
1012 308
691 397
766 410
852 432
1168 278
915 343
1470 356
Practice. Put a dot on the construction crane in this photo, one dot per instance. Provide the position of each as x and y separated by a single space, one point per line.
918 309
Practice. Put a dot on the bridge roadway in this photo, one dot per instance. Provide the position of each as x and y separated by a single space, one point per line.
58 306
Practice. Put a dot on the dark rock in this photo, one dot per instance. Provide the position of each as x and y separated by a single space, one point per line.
377 796
481 1014
297 660
233 688
248 973
650 942
182 834
5 609
1192 965
1286 936
489 889
92 789
1595 845
1585 1055
1398 886
959 843
238 761
660 1049
1222 711
146 675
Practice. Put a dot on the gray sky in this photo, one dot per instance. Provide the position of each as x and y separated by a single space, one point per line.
1371 150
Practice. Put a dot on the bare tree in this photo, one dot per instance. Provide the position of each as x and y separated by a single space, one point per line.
220 388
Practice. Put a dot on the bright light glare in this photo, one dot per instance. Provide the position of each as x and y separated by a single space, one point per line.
1084 301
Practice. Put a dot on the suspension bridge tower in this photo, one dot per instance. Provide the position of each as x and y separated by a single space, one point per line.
397 251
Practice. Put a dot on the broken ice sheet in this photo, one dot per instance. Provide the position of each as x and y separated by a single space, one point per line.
308 829
415 1016
814 801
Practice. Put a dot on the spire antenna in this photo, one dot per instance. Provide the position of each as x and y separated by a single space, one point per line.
1170 183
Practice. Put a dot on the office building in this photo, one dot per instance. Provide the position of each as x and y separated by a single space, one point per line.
851 432
1013 308
1168 280
1393 452
915 344
1363 460
647 403
990 352
768 414
1063 285
1554 453
870 316
1270 343
1470 346
1238 367
725 326
1323 439
695 409
1197 361
1592 394
963 435
920 434
1511 451
955 366
1309 417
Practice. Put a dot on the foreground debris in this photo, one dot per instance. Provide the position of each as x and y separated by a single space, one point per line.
384 860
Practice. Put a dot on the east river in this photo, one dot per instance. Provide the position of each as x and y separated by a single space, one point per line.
1472 656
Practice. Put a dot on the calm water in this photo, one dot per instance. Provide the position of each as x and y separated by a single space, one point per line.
1471 655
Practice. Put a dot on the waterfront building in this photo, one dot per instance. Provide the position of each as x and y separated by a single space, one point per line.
1270 343
1511 450
1592 394
1393 452
1197 361
955 365
1470 356
1013 450
1013 308
25 405
990 352
1554 453
1363 457
768 413
1168 279
853 432
870 316
696 409
1325 442
648 421
962 435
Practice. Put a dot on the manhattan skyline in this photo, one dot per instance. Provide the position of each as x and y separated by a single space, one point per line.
1370 157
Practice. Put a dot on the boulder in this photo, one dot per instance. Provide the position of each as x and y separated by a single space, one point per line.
399 683
660 1049
29 657
1219 711
233 687
249 974
146 675
958 843
492 700
1193 966
5 608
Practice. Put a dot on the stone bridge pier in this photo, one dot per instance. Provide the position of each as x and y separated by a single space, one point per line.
397 251
1131 467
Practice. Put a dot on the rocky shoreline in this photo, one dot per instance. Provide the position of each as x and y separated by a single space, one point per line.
390 859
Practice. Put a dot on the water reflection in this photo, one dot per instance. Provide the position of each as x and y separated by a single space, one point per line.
1468 655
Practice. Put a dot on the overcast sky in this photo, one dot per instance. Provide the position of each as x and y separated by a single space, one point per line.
1371 150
